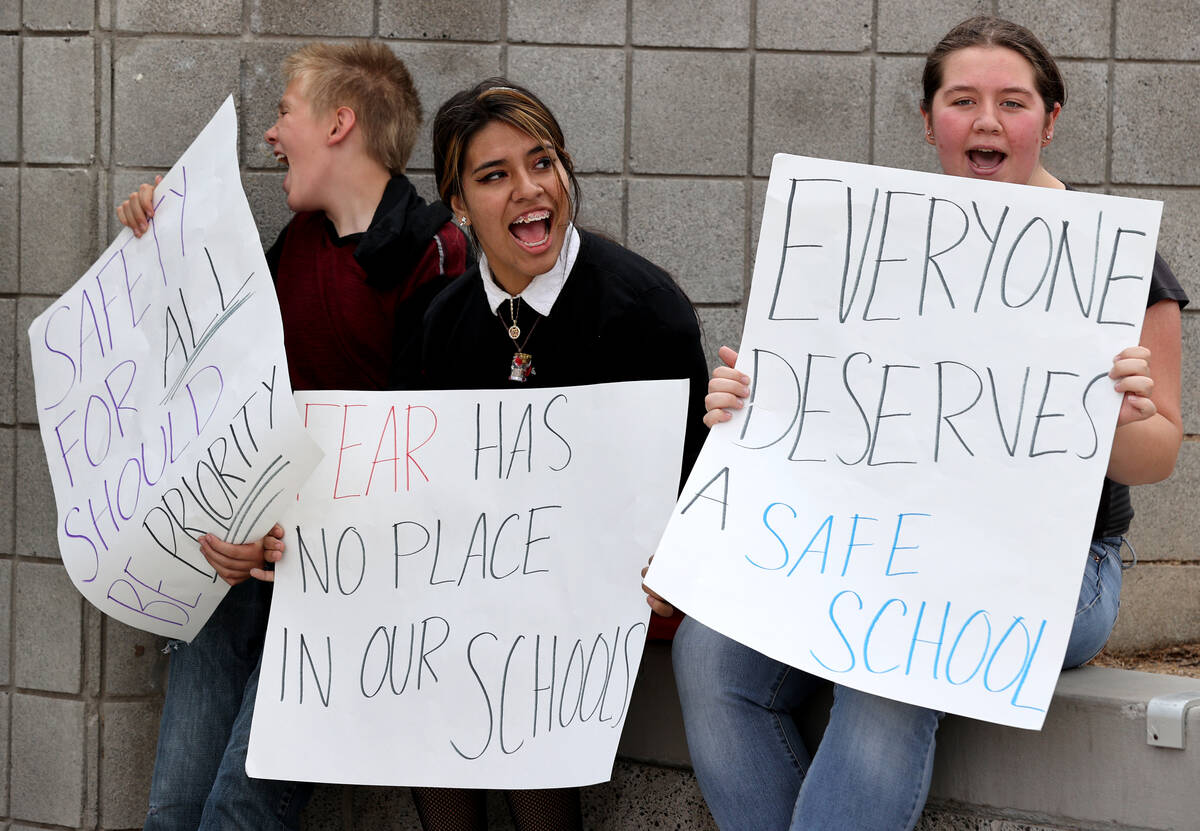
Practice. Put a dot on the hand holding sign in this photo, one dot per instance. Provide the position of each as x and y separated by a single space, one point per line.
164 404
928 375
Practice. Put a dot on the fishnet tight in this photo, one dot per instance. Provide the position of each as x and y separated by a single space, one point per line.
462 809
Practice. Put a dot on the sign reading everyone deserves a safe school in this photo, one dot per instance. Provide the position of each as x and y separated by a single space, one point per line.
905 503
163 398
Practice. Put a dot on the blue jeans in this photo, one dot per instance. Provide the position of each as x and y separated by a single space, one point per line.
200 779
873 765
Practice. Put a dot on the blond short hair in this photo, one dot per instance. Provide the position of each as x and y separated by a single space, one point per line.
369 79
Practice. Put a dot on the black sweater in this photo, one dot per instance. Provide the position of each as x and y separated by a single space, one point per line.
618 317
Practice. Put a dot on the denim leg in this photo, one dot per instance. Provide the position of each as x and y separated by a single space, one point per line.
872 768
206 684
239 801
1099 600
746 749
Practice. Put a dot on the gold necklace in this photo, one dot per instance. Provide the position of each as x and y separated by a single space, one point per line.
514 331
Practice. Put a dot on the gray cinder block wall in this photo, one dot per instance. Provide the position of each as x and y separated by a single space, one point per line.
672 108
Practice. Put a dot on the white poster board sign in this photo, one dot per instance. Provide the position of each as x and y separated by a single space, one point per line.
905 503
163 397
460 600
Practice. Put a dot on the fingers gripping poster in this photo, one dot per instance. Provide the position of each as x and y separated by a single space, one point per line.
905 502
163 398
460 601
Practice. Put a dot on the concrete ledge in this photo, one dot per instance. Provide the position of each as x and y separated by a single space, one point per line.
1089 768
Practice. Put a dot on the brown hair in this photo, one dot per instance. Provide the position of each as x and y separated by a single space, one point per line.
369 79
985 30
495 99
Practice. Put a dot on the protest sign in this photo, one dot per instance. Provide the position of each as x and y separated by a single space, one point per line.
163 397
460 602
905 503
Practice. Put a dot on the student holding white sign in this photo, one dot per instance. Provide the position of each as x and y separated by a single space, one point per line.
354 271
992 94
548 305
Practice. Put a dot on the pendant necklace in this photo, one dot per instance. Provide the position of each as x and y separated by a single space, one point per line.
514 331
522 362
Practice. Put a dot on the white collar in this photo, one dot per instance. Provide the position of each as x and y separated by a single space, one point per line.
543 289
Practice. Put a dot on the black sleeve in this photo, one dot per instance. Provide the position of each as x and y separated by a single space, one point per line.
664 334
1164 285
408 341
275 252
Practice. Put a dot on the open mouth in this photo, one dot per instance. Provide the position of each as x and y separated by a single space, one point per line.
281 158
985 159
532 229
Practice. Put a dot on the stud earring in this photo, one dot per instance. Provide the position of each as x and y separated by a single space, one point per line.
465 221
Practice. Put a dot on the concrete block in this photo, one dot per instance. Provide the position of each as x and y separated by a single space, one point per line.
597 23
8 353
37 520
1158 607
10 227
208 17
1190 374
59 100
721 326
93 624
262 87
10 17
8 466
603 206
383 808
425 185
60 15
1177 239
268 203
812 25
1097 721
10 97
674 94
6 568
134 663
164 92
428 19
64 200
914 26
312 17
5 720
128 735
758 204
1069 29
811 105
938 817
48 623
1167 525
585 89
27 309
1079 150
899 128
440 70
1158 29
327 809
1160 95
717 24
645 796
653 731
104 60
696 230
48 760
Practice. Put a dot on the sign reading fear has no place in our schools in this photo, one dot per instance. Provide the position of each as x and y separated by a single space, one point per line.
460 603
904 504
163 398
